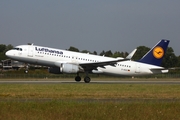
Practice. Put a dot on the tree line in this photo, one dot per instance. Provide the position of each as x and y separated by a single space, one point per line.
170 59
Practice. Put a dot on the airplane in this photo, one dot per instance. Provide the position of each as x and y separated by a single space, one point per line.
63 61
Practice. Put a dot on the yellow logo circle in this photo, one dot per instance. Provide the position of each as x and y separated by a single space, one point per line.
158 52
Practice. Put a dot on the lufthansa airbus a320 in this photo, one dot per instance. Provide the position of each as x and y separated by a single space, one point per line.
62 61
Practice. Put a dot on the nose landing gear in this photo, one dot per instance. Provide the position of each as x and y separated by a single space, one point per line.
26 70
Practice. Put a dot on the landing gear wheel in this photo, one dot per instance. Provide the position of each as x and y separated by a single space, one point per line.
26 71
87 79
77 78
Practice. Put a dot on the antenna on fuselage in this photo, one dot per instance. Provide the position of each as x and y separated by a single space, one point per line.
30 43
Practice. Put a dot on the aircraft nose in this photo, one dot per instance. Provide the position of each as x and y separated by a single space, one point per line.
8 53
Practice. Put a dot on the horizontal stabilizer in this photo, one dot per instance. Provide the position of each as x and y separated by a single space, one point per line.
159 70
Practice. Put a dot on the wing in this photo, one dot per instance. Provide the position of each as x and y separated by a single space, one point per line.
91 66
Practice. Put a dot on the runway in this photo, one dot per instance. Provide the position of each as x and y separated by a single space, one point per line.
92 82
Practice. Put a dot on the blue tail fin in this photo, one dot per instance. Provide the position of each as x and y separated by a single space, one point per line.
156 54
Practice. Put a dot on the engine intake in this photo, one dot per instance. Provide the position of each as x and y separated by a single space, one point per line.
54 70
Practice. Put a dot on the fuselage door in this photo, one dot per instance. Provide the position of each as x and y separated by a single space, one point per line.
30 51
138 66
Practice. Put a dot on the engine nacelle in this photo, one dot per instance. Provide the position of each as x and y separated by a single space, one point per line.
69 68
64 68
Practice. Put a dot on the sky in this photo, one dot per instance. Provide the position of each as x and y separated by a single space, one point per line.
94 25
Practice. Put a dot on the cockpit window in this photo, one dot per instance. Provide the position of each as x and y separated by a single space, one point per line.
19 49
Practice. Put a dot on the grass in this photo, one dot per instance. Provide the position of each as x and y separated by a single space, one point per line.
94 91
73 110
89 101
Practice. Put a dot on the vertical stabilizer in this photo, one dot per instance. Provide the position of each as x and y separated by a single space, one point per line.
156 54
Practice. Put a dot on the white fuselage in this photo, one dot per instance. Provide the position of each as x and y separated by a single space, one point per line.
52 57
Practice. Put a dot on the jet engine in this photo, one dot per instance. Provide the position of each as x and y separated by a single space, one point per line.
64 68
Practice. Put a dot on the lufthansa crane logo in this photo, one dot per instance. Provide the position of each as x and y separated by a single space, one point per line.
158 52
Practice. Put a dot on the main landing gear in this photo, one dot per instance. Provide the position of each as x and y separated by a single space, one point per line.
87 79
